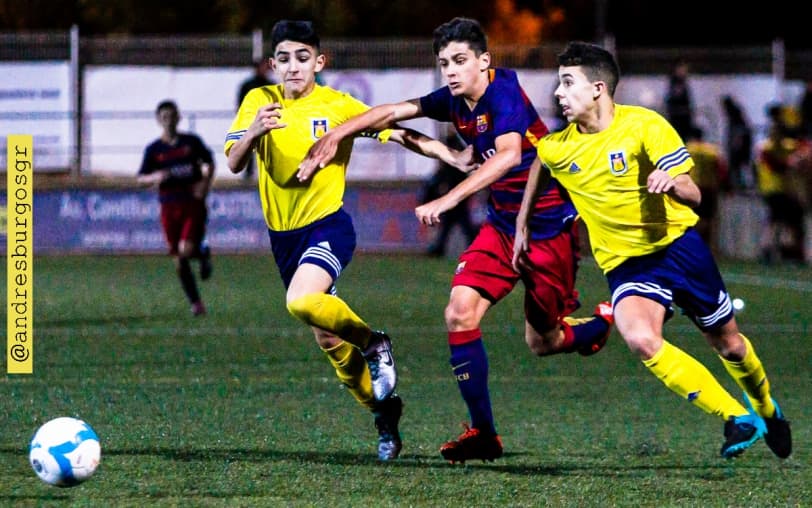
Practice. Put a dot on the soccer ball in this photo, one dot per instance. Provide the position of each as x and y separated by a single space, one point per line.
64 452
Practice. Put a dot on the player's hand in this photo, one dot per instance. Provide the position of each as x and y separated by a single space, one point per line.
520 249
268 118
319 155
200 189
659 182
429 213
465 160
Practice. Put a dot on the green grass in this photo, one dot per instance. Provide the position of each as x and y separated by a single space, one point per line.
241 409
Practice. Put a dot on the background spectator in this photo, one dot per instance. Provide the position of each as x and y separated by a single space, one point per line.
258 78
444 179
783 237
711 176
679 107
738 145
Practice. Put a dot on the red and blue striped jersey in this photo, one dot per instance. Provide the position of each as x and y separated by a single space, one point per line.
504 108
183 160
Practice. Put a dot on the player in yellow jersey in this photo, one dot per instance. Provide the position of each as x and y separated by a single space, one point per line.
312 237
627 171
710 175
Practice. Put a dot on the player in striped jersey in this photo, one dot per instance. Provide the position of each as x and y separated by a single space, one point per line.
491 113
182 168
627 171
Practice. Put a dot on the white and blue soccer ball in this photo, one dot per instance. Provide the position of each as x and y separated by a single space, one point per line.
64 452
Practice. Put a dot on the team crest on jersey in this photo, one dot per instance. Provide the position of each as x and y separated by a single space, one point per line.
481 123
574 168
617 163
318 127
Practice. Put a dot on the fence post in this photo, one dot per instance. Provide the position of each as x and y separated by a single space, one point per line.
75 101
256 45
779 67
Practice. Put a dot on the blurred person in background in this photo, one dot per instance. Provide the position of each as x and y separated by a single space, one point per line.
258 79
738 146
711 176
182 168
445 178
679 104
805 108
780 167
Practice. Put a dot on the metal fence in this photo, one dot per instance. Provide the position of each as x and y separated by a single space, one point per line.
240 50
230 50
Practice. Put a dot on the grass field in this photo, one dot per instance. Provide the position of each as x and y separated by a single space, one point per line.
240 408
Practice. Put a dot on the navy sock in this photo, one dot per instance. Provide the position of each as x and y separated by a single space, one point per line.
587 333
469 362
187 280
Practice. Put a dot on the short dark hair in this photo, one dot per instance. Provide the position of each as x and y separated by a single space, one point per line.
461 30
598 64
166 104
293 30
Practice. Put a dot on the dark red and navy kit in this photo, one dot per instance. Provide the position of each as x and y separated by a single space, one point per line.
504 108
183 160
183 217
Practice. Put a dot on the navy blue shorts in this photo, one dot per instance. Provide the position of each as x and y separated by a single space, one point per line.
684 274
328 243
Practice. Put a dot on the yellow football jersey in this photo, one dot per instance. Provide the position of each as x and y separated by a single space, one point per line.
605 174
287 203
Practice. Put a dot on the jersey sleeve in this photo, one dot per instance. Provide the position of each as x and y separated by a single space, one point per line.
248 111
664 147
437 104
203 151
146 162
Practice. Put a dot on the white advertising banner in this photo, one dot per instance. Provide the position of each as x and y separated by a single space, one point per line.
35 99
119 120
119 101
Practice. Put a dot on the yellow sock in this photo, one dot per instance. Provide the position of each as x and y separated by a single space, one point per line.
353 372
750 375
331 313
689 379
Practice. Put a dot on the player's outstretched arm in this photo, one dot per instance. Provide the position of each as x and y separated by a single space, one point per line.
377 118
418 142
154 178
537 178
508 155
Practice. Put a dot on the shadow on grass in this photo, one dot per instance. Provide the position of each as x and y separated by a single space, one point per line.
721 470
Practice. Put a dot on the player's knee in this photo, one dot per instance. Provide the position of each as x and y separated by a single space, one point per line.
186 249
644 345
457 317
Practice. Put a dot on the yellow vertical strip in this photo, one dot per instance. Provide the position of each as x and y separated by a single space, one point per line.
20 254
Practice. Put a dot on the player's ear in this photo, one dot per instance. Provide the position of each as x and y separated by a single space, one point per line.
321 61
484 61
598 88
